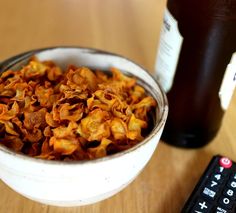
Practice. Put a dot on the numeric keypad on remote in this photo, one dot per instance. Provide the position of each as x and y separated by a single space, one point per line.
216 189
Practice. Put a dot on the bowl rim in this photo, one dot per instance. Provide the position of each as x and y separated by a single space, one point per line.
6 64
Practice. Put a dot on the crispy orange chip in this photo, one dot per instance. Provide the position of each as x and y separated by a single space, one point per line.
75 114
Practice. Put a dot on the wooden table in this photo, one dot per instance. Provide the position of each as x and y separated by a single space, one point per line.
130 28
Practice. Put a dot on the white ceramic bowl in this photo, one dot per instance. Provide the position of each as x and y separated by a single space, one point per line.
80 183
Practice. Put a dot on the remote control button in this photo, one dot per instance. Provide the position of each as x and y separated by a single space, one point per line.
225 162
226 202
221 210
208 193
221 170
213 185
231 184
217 177
229 193
202 206
233 176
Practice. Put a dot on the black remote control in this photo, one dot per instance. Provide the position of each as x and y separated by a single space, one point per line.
216 190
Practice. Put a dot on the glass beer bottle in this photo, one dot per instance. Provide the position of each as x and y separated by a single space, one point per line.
196 66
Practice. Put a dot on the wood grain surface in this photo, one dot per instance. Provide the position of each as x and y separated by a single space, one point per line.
130 28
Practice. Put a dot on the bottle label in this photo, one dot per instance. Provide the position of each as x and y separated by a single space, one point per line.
228 84
168 53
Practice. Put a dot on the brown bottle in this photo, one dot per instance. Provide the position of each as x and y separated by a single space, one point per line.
197 68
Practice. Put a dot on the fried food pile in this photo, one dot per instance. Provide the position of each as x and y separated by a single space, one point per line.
76 114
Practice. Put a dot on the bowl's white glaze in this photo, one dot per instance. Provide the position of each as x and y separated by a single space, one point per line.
80 183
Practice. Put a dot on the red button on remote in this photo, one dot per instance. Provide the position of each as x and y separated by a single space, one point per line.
225 162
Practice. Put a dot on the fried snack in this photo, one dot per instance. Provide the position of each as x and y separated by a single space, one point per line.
76 114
